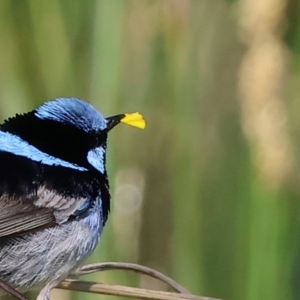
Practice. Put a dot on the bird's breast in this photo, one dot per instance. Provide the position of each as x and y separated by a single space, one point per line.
51 254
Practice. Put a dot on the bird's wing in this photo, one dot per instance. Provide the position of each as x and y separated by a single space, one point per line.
45 209
18 216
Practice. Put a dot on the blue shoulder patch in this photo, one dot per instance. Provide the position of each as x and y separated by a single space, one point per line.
15 145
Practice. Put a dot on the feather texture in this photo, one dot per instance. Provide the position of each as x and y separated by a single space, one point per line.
72 111
34 259
43 210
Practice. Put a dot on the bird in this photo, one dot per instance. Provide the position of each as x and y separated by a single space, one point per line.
54 190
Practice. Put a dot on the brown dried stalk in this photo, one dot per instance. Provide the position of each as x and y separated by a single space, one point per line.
125 291
100 267
11 291
117 290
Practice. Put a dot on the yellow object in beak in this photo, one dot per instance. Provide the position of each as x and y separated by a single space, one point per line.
134 119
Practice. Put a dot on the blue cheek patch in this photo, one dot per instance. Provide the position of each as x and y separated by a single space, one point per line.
96 158
13 144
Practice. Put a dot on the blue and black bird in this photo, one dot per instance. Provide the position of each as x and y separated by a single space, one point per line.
54 190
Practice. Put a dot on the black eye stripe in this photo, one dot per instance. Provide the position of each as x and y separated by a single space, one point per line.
13 144
100 139
59 140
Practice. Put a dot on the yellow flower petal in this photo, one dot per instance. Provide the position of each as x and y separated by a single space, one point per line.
134 119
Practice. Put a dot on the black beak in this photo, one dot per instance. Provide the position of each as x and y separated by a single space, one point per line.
113 121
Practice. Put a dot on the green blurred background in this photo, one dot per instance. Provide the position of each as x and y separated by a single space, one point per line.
209 192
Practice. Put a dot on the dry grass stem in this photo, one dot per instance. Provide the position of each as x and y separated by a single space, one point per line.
125 291
97 267
117 290
11 291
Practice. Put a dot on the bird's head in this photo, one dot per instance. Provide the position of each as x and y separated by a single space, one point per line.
65 132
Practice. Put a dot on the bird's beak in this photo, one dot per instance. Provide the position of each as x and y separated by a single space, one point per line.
134 119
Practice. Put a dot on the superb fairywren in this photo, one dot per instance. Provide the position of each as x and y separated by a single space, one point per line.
54 190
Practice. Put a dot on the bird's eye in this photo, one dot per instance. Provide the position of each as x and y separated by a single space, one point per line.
100 139
97 141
